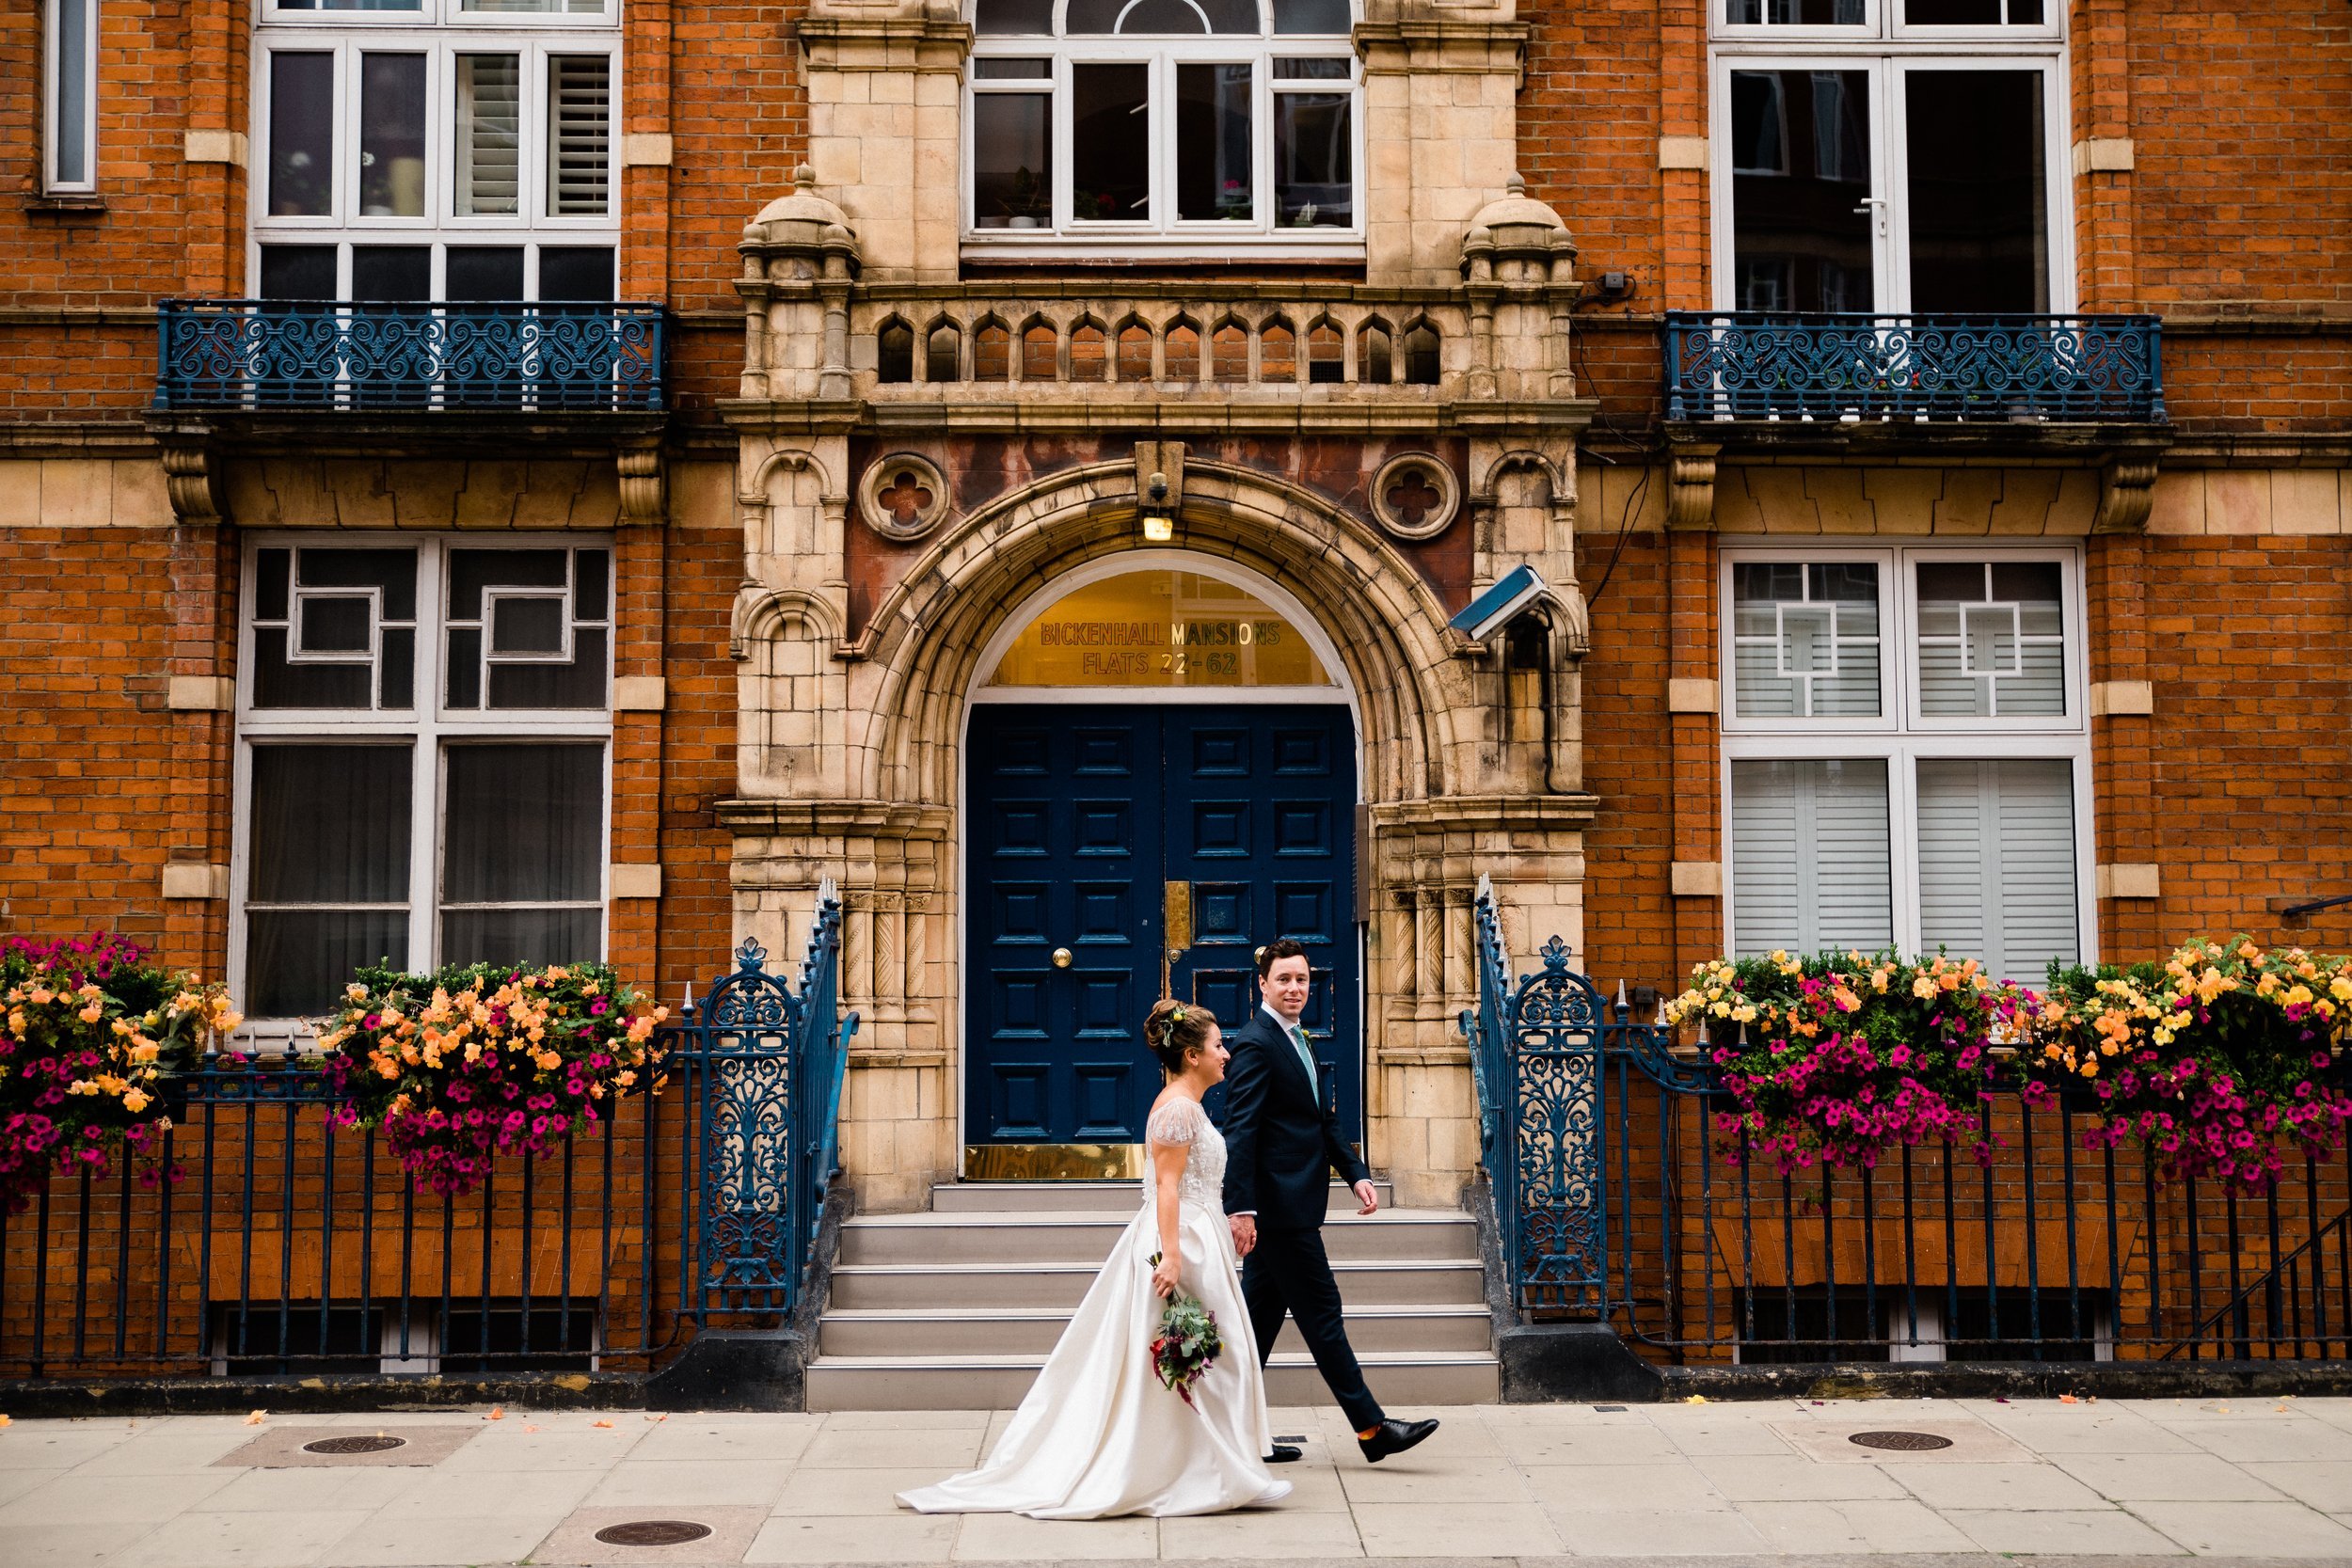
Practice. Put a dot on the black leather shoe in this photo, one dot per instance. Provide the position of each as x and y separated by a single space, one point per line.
1283 1454
1393 1437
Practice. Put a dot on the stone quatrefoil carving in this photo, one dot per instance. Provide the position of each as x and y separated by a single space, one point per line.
903 496
1414 495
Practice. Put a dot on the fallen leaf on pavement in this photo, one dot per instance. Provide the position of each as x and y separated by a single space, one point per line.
607 1425
498 1413
2068 1399
1696 1399
257 1418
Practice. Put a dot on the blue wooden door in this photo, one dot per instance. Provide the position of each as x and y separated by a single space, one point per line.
1080 815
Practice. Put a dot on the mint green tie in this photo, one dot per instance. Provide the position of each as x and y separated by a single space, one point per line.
1306 1057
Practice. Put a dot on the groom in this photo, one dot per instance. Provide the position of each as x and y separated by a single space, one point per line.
1281 1146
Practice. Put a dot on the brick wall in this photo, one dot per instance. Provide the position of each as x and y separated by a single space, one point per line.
85 782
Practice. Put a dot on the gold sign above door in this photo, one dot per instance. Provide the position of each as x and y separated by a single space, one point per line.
1163 629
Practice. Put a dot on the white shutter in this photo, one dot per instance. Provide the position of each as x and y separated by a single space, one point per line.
1997 863
489 133
579 135
1809 858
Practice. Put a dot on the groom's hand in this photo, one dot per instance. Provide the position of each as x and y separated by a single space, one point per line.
1245 1228
1367 1196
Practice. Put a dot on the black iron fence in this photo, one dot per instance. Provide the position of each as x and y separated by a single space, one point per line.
1619 1198
274 1243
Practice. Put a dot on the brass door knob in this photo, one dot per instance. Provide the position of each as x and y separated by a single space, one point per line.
1061 957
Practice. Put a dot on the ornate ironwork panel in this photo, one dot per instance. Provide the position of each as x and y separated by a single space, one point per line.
765 1067
251 353
1558 1136
1744 365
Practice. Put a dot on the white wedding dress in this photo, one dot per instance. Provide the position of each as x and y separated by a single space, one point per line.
1099 1435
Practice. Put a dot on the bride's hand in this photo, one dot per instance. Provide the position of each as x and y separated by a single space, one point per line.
1166 1276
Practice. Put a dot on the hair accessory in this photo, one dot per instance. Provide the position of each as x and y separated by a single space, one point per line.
1177 1016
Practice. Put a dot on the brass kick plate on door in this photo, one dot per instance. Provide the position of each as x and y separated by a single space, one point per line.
1176 911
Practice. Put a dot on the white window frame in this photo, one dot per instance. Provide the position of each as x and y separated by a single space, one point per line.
1163 235
1880 20
1889 55
429 728
1903 745
430 13
348 35
52 77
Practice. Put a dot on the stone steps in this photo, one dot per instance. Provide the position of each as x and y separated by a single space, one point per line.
957 1307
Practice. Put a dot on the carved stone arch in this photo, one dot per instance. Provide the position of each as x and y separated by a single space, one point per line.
926 635
763 517
761 614
1487 488
1090 348
1132 339
1037 351
941 350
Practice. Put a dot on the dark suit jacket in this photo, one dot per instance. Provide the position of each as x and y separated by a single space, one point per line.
1280 1143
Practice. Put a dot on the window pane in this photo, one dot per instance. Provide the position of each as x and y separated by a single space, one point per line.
311 642
399 272
1311 71
1804 13
350 5
1160 18
522 936
568 8
1311 16
1213 159
575 272
996 18
70 93
1801 173
1997 863
1805 640
489 133
525 824
506 629
331 825
391 135
299 272
580 133
1809 863
484 272
1315 183
299 961
1012 171
1028 68
1111 131
301 135
1979 202
1992 640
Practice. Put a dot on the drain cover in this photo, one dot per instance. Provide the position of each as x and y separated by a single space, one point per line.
653 1532
1609 1409
1900 1442
1286 1437
377 1442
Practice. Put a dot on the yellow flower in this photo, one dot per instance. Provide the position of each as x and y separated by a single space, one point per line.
135 1100
1744 1013
2091 1068
1923 988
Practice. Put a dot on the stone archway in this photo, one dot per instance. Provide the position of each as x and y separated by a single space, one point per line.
867 786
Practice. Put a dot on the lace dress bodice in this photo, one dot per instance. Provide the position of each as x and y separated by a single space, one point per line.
1181 1121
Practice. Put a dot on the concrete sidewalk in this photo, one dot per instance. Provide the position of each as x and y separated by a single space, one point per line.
2117 1481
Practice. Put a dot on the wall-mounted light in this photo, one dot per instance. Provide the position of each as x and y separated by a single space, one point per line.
1159 519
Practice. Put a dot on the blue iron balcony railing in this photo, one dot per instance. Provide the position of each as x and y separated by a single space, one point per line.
341 355
1851 368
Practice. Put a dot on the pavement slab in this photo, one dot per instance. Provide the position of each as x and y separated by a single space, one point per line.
2113 1485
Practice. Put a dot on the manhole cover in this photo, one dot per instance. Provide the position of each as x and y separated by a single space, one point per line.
377 1442
1287 1437
653 1532
1900 1442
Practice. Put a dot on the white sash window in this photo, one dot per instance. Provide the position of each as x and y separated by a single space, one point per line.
1906 753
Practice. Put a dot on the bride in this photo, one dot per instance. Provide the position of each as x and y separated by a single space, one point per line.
1099 1435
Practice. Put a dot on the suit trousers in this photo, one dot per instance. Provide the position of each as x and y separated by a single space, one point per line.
1288 1271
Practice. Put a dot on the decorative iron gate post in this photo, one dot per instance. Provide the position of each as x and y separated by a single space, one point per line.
765 1070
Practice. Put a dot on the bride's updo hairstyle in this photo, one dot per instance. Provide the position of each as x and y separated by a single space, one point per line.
1175 1030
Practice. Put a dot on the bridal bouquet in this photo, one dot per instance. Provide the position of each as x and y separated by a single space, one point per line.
1188 1344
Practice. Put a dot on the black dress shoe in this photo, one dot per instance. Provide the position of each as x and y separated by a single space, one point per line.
1282 1454
1393 1437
